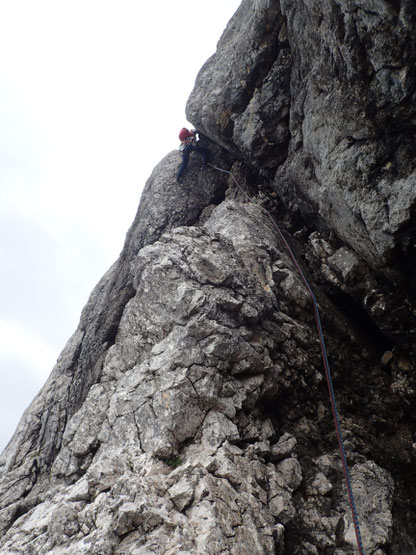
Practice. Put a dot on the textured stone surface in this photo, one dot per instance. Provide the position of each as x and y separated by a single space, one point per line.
37 441
248 84
206 336
189 412
352 119
317 89
183 370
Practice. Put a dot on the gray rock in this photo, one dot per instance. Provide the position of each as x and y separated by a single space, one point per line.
373 490
248 86
284 447
189 412
352 92
165 204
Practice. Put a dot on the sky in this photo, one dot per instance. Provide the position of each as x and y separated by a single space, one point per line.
92 96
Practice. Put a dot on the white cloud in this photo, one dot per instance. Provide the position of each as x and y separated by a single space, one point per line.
20 381
22 344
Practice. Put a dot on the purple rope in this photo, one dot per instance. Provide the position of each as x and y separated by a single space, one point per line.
324 353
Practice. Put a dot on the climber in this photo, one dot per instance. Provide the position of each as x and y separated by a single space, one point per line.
188 144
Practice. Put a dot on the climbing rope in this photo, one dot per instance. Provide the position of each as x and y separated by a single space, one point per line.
335 413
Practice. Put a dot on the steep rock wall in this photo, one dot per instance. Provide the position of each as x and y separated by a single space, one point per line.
189 412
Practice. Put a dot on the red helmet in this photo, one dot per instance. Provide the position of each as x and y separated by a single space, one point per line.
184 134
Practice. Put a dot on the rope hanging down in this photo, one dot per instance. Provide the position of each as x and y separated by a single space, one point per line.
325 363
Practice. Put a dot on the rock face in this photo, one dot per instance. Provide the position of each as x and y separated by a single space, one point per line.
189 412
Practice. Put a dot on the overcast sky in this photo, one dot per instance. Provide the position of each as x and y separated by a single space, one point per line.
92 96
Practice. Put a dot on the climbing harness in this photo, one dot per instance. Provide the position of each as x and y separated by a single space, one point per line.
335 413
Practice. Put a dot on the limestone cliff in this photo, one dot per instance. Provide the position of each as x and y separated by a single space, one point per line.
189 412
